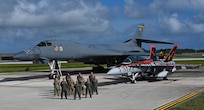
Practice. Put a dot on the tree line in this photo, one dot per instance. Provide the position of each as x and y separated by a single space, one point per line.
180 51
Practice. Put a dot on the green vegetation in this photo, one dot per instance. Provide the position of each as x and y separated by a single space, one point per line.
191 62
193 104
188 57
30 67
21 67
180 51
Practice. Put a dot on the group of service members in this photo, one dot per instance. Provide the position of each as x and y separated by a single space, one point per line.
81 87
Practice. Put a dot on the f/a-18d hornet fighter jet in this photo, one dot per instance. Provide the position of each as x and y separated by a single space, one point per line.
135 66
51 51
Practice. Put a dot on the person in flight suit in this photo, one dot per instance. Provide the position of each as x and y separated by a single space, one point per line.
56 84
63 88
77 90
88 88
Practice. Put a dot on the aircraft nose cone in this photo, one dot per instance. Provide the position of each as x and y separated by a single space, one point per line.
25 55
114 71
20 56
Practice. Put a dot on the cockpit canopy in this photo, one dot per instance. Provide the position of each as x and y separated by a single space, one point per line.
133 58
45 43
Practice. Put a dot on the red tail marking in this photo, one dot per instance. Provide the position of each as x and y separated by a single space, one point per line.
153 53
171 53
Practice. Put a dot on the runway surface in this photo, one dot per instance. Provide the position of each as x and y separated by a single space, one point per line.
34 91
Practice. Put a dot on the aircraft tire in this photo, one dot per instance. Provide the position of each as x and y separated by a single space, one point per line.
51 76
134 82
165 78
98 69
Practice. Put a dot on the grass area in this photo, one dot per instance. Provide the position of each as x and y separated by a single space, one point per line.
193 104
30 67
188 56
191 62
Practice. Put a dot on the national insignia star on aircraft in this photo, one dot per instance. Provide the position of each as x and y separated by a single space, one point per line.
136 66
52 51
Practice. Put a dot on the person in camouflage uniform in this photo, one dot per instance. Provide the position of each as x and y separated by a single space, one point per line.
56 84
81 82
95 85
70 84
91 78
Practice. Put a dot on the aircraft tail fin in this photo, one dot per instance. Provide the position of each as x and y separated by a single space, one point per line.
152 53
171 53
139 31
138 37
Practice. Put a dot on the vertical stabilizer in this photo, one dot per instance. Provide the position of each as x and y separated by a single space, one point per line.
171 53
139 31
138 34
152 53
137 39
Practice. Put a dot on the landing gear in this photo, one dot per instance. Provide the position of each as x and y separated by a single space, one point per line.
165 78
51 76
133 77
54 69
98 69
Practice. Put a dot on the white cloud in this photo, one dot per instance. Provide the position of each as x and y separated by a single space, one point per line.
29 20
197 27
178 5
172 23
50 15
137 9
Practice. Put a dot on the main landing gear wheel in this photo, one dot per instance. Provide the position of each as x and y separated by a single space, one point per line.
51 76
98 69
133 77
165 78
134 81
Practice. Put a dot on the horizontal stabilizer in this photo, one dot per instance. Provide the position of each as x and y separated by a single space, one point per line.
152 41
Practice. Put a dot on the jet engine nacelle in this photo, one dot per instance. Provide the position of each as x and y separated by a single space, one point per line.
163 74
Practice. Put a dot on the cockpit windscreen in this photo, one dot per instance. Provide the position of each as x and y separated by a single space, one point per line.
43 44
131 59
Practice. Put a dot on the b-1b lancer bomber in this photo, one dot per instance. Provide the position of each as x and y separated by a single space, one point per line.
52 51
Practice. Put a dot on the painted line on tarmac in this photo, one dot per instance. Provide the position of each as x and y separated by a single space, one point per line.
23 84
179 100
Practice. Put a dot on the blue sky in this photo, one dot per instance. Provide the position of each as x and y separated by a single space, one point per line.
24 23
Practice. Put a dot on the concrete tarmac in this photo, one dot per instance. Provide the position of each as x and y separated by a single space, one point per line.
34 91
